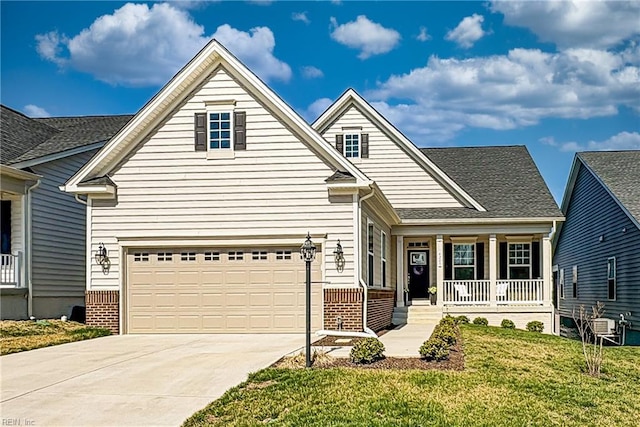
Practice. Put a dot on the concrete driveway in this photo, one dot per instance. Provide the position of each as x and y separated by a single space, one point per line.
131 380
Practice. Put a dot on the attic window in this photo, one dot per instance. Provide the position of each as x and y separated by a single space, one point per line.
220 130
352 145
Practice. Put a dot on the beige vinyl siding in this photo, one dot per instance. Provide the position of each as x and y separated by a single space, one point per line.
275 188
405 183
17 224
58 224
378 226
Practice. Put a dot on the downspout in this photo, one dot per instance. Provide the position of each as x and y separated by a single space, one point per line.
368 331
28 245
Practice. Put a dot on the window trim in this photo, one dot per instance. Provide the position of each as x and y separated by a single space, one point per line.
370 252
574 282
219 108
359 145
561 283
509 265
383 258
455 243
613 279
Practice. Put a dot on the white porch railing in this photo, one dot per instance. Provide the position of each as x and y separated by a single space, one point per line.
519 291
477 292
10 270
466 292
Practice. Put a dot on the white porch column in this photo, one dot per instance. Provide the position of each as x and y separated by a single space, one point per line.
439 270
546 271
400 285
493 270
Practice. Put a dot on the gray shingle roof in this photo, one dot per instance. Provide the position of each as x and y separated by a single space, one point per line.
503 179
24 138
620 172
341 176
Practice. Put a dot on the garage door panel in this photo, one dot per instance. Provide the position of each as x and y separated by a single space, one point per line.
205 290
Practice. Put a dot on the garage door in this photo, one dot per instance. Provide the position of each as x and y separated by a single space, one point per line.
189 290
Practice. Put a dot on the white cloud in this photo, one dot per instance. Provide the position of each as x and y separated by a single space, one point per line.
139 45
594 24
311 72
336 2
509 91
369 37
35 111
423 36
261 2
468 31
316 108
300 16
621 141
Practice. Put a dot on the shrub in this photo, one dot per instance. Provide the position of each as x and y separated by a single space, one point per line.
480 321
447 320
507 324
367 350
535 326
447 334
434 349
462 320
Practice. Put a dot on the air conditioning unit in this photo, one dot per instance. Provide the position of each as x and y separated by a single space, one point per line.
604 326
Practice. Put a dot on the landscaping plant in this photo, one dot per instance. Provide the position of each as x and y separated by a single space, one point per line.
367 350
480 321
591 343
434 349
535 326
507 324
462 320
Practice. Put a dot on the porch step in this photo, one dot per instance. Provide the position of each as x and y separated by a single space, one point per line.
417 314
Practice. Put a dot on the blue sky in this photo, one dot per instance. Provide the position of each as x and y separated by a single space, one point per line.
558 77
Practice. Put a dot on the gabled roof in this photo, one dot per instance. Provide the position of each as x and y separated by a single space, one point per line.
190 77
26 139
351 98
617 171
504 179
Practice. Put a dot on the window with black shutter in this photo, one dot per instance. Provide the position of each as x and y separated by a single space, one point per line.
220 130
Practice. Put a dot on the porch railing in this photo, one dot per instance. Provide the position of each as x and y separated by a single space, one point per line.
10 270
477 292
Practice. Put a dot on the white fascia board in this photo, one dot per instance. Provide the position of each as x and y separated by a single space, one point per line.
94 191
198 68
13 172
59 155
352 97
475 221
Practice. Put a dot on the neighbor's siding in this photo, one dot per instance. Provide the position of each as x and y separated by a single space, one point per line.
58 224
405 183
593 213
274 188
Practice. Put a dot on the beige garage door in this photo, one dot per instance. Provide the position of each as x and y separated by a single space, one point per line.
176 290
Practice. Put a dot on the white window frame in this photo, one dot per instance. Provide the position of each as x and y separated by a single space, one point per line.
509 265
614 278
561 283
574 282
218 108
383 259
370 252
348 154
453 259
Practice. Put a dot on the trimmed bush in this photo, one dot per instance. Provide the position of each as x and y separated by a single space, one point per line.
462 320
447 334
447 320
367 350
507 324
482 321
535 326
434 349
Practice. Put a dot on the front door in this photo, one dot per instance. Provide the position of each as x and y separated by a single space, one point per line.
418 274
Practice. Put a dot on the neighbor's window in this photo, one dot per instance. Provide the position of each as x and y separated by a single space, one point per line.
370 253
519 260
561 283
383 257
464 261
352 145
611 278
574 282
219 130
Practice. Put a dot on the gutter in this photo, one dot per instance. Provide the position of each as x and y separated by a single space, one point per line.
358 264
28 244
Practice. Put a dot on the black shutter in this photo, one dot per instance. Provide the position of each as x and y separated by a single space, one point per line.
535 260
364 145
340 144
239 130
504 260
200 129
448 261
479 261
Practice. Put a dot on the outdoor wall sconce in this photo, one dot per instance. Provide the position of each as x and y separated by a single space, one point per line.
338 256
102 258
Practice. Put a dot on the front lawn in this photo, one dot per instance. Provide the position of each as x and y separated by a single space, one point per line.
22 335
511 378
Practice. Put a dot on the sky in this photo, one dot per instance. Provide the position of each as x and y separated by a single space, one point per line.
556 76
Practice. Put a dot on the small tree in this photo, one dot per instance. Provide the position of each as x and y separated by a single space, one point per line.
591 343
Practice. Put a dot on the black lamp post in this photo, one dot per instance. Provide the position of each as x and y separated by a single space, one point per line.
308 254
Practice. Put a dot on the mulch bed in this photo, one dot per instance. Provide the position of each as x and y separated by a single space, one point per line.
332 341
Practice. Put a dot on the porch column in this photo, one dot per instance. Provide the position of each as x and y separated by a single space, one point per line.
493 270
546 270
400 271
439 270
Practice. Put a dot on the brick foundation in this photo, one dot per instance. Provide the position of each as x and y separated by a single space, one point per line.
380 305
344 303
103 309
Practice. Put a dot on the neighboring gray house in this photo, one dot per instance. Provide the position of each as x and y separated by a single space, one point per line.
43 229
597 256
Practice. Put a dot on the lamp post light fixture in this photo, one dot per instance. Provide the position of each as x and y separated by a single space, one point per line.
308 254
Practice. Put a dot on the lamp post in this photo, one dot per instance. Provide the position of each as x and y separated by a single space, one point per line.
308 254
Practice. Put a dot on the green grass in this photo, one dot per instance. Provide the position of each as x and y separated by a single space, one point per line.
23 335
512 378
